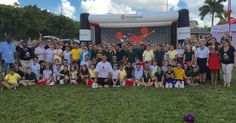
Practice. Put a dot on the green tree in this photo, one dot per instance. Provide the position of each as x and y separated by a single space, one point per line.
223 17
211 7
28 21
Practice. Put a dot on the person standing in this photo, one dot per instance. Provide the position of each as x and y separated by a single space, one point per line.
228 60
202 54
40 51
214 61
25 54
7 55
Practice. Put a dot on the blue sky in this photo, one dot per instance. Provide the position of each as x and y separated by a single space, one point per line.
53 6
73 8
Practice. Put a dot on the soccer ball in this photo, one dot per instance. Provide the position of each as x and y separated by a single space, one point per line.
94 85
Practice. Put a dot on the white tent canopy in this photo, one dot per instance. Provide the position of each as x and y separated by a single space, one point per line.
219 30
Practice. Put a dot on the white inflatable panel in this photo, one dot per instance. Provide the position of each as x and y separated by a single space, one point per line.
134 18
132 25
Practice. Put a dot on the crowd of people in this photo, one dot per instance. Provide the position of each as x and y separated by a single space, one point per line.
117 65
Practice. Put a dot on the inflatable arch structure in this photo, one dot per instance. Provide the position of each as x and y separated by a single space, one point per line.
172 27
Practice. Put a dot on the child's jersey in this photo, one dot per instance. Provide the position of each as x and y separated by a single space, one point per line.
179 73
12 78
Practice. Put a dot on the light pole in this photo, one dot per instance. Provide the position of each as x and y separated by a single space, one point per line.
167 5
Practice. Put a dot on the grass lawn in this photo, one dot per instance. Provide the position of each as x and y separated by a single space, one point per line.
68 104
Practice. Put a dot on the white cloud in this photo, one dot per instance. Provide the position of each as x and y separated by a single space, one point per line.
105 6
66 9
8 2
126 6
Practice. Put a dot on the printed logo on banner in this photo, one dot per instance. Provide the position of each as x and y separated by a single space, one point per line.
183 33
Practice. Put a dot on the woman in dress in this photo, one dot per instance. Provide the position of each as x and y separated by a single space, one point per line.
214 61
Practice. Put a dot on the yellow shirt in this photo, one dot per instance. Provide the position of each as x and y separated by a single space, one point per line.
172 54
12 78
122 74
92 73
179 73
75 54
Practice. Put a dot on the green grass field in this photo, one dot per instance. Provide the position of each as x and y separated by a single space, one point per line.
68 104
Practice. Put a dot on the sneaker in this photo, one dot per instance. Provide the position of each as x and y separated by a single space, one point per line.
228 85
114 86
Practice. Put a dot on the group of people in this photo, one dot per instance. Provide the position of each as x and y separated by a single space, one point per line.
117 65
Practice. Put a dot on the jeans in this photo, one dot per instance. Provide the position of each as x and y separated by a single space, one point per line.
5 68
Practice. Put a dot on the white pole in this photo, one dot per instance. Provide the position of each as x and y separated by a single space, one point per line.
167 5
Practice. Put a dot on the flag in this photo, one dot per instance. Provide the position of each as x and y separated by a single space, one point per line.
229 14
229 10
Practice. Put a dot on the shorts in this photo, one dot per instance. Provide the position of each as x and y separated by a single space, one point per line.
104 81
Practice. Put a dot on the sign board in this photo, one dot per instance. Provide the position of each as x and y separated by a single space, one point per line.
183 33
85 35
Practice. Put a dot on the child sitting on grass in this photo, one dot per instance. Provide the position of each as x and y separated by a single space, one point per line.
115 75
84 75
122 76
73 75
169 78
179 76
159 77
29 78
64 75
146 79
11 79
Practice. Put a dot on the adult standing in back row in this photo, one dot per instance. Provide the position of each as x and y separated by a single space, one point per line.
228 60
202 54
7 55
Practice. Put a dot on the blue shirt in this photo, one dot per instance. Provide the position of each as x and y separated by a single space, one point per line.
8 51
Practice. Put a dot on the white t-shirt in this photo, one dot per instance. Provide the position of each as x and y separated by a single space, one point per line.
103 69
40 50
47 74
202 53
138 74
115 74
49 55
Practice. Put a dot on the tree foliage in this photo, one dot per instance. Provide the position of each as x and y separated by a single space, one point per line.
211 7
30 20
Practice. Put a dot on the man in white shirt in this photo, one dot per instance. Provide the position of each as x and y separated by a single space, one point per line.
103 72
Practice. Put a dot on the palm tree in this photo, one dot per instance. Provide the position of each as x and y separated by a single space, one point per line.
211 7
223 17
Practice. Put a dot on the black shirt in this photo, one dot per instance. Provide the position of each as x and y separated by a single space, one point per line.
188 56
129 71
130 56
228 56
120 54
65 73
25 53
159 56
159 76
31 76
